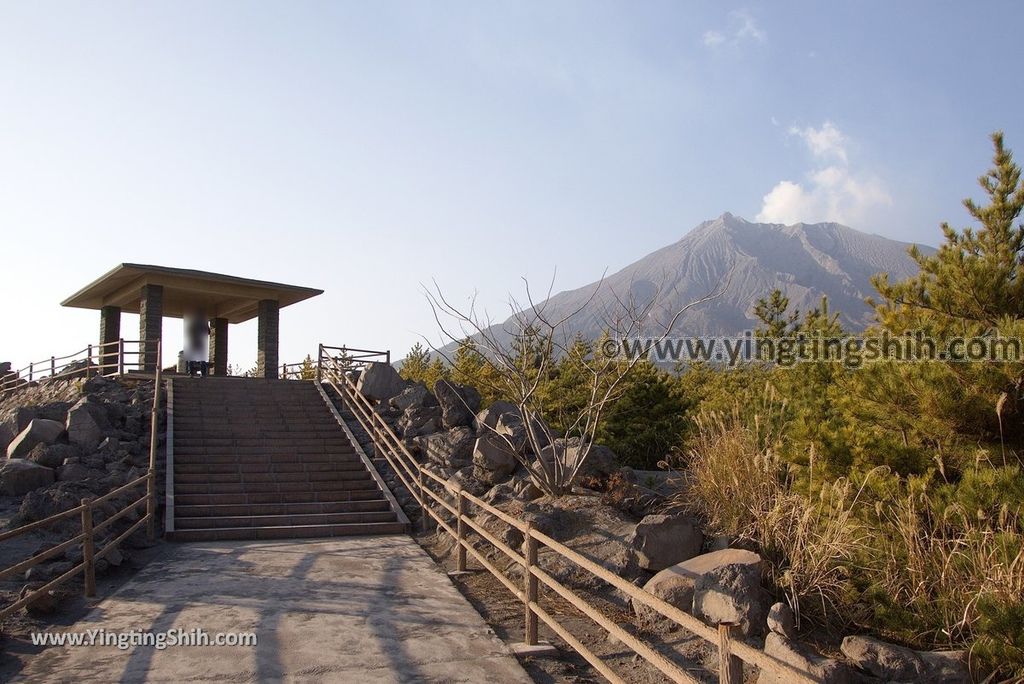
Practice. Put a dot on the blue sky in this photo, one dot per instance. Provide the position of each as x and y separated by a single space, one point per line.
366 148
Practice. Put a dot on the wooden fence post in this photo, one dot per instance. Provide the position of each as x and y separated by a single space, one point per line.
530 586
424 521
153 427
730 667
87 549
53 366
88 361
460 529
120 356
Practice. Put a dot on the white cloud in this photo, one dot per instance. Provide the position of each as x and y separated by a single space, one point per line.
713 38
742 27
832 192
827 141
748 28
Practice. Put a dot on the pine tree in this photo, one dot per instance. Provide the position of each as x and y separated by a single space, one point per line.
416 363
437 370
647 420
977 275
776 320
973 285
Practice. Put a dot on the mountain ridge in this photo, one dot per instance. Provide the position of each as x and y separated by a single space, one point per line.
741 262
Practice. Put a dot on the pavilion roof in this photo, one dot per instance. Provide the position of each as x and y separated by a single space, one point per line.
218 295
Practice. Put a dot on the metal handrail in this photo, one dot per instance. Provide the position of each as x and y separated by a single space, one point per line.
452 516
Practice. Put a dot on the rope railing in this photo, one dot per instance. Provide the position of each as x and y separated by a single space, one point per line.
451 508
90 530
107 359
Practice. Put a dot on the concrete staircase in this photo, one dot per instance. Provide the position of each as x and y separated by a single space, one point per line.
266 459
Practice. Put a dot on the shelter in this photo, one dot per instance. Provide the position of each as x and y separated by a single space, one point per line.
154 292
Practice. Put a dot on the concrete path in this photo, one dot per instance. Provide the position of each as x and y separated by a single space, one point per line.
367 610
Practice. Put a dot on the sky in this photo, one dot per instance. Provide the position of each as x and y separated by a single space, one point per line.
371 149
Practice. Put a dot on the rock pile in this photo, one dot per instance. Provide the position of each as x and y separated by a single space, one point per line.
69 440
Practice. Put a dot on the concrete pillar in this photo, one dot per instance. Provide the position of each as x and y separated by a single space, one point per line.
151 325
267 339
110 333
219 346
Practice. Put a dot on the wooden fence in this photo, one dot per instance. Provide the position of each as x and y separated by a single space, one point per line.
109 359
452 510
90 530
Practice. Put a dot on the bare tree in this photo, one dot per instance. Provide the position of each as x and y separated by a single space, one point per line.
553 464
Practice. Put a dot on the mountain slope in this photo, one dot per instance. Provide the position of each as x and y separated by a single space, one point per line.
744 262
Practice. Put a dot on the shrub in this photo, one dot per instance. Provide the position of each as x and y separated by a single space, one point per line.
925 562
738 484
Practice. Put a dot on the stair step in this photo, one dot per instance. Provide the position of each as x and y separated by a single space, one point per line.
261 487
282 449
337 439
282 477
290 520
266 459
225 510
275 497
289 532
208 468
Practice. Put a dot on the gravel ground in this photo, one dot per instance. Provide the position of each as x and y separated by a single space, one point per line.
504 613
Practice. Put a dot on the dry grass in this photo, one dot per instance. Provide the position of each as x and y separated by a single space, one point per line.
742 489
894 559
947 565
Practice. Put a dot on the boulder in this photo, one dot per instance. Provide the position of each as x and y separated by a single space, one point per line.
493 460
525 489
419 420
463 479
630 496
87 423
21 416
732 592
598 461
43 604
73 472
896 663
488 418
415 395
19 477
54 455
115 557
44 572
38 431
511 430
590 527
390 414
380 381
663 540
459 403
721 586
781 620
451 449
42 503
825 670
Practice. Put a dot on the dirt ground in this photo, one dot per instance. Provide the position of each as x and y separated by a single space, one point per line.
15 642
499 608
505 614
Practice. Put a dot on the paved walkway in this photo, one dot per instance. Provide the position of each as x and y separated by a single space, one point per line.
367 610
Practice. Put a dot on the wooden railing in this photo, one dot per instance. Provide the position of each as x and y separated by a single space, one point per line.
452 509
91 530
350 359
108 359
